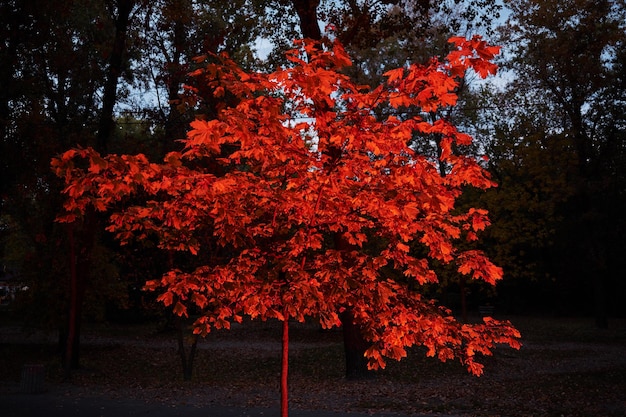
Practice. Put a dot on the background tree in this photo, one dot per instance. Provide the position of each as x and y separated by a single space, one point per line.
557 149
529 160
51 101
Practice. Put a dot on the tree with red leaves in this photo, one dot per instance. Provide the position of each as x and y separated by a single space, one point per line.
304 155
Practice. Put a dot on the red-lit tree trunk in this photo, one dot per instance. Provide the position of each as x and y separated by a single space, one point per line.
284 372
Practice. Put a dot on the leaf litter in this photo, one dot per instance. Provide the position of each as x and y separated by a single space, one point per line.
565 368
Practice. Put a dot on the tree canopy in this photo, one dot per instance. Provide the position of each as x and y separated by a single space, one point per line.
307 158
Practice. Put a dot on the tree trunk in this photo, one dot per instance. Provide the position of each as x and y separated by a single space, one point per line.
284 371
109 97
354 343
81 247
175 127
68 343
355 346
80 260
307 13
186 360
602 320
463 290
598 260
443 171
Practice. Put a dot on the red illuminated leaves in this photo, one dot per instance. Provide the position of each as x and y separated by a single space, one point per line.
311 202
434 86
474 53
478 265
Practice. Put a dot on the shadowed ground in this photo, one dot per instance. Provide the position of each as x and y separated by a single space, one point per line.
566 367
60 404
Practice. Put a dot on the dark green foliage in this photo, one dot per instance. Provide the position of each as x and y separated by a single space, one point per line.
556 139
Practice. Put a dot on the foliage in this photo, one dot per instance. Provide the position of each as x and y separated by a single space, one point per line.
309 159
556 140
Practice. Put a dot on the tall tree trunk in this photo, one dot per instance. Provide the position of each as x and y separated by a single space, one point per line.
175 127
82 242
355 346
114 71
599 271
593 242
442 167
80 265
600 310
68 343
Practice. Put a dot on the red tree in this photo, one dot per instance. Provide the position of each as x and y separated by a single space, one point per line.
309 157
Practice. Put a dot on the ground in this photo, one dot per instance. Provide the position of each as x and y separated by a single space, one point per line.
565 368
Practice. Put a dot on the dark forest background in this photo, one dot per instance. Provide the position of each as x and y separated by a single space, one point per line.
108 74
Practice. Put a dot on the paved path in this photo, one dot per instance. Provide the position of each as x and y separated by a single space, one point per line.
52 404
